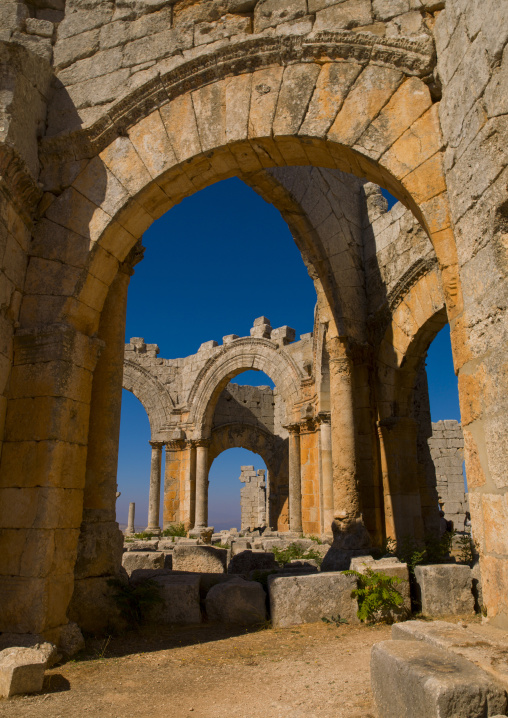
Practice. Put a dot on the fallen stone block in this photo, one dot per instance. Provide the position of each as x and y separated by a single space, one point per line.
30 640
237 601
71 640
306 599
249 560
239 545
133 560
140 545
485 646
199 559
21 670
444 589
410 678
181 600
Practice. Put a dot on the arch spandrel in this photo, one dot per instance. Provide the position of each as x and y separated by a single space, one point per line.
234 358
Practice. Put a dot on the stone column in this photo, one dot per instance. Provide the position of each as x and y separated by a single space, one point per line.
350 534
101 541
295 480
202 484
154 496
399 467
130 522
172 481
325 448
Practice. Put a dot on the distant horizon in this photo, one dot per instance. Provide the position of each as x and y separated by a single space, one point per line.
208 272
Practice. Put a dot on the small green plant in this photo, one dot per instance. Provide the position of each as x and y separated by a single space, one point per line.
335 620
135 601
175 530
466 549
316 539
143 535
376 594
295 552
221 545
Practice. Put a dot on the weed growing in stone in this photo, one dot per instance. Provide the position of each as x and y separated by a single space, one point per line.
376 594
175 530
295 552
334 620
466 549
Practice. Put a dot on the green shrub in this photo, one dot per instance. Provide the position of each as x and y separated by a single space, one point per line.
175 530
316 539
135 602
376 594
144 535
295 552
466 549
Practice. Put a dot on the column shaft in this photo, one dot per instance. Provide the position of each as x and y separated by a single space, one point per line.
295 481
154 496
346 500
325 443
201 485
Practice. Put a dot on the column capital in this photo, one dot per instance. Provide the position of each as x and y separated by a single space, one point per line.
201 442
293 428
156 444
324 417
175 445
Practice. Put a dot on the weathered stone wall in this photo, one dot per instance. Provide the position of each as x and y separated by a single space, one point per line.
447 451
105 50
253 498
471 40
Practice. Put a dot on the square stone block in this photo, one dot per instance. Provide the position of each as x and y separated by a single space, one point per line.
444 589
181 600
21 671
410 678
307 599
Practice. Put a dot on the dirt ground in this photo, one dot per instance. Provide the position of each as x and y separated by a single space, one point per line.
311 671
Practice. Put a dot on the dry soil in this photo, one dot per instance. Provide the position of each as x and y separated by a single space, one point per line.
311 671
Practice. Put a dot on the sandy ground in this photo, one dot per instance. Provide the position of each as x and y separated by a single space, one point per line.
311 671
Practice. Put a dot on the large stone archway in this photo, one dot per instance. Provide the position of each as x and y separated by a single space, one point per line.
122 149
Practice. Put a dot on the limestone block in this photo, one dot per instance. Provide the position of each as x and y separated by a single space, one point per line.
409 678
269 13
30 640
306 599
21 671
444 589
94 592
141 545
201 559
349 14
133 560
248 560
240 544
238 601
71 640
181 600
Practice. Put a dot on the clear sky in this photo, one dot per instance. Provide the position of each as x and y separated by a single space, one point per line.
212 265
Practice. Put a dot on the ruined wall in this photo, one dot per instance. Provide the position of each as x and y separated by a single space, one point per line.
471 42
447 450
253 498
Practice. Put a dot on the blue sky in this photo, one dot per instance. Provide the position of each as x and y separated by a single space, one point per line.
212 265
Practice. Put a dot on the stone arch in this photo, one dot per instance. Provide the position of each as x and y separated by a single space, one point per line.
235 357
157 151
156 400
273 450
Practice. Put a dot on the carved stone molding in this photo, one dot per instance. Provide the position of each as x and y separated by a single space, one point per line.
17 185
414 58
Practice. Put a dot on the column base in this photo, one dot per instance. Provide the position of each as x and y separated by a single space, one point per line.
155 530
202 532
